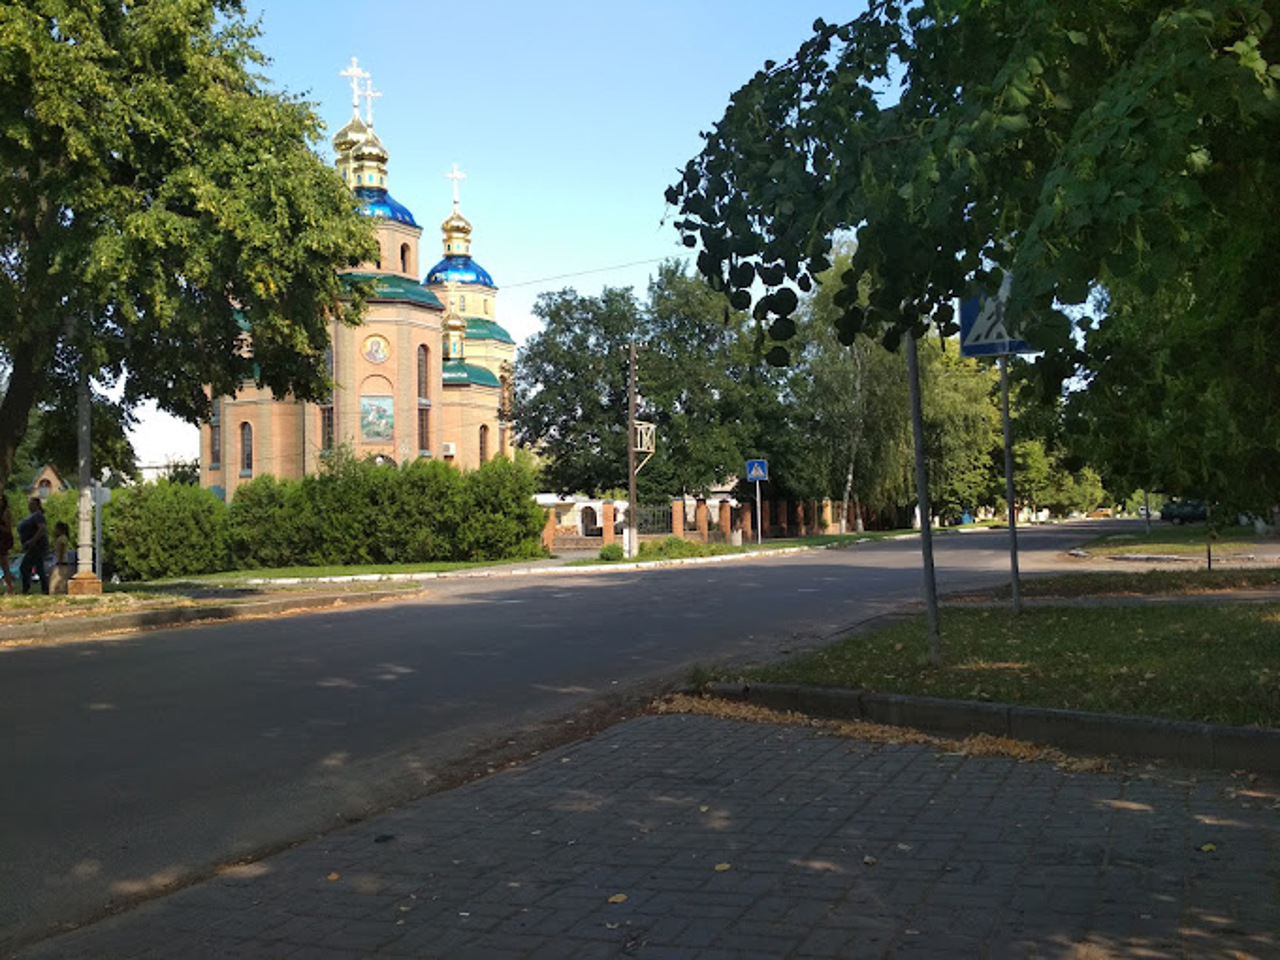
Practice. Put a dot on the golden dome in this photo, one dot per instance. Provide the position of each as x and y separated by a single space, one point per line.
456 225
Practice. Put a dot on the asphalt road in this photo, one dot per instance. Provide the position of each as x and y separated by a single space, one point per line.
135 763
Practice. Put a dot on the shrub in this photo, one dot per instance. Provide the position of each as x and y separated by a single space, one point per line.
163 529
612 552
429 511
258 525
677 548
502 518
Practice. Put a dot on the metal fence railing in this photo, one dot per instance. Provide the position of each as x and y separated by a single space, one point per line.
653 518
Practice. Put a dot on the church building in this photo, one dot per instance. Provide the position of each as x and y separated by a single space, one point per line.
426 374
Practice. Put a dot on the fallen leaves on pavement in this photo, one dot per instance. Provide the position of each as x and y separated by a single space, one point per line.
978 745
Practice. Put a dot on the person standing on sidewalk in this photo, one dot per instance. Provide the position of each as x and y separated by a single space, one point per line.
34 534
6 543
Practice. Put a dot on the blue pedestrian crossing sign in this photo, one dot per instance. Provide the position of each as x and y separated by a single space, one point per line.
757 470
982 329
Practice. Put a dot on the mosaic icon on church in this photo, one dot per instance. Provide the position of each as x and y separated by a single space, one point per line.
377 419
376 349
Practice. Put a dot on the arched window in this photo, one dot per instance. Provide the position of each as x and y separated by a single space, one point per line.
246 450
484 443
404 258
326 408
215 435
44 488
424 400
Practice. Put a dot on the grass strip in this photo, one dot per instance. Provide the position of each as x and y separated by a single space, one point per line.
1140 583
1214 664
1183 540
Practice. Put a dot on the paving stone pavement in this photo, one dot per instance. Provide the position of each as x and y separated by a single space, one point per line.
695 837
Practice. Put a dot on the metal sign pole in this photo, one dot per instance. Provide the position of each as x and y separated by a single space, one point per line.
1008 482
633 548
922 499
759 532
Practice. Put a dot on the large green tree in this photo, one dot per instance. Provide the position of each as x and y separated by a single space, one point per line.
698 380
1083 146
570 398
157 202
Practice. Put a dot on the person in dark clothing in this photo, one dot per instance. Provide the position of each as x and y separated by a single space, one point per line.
6 544
34 534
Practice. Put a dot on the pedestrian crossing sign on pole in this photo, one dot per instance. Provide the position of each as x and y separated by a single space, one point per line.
982 329
757 470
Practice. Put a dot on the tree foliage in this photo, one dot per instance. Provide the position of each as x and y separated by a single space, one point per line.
698 381
1116 146
1068 143
157 200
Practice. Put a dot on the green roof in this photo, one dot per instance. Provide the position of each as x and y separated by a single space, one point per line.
478 328
388 286
458 373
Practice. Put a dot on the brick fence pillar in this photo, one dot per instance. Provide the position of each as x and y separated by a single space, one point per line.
800 527
784 516
700 518
606 522
765 521
549 530
826 517
677 517
726 519
746 520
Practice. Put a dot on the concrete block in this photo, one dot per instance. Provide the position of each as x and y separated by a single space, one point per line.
1246 748
954 717
1096 733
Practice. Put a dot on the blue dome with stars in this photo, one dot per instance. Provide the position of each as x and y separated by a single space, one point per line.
376 202
459 268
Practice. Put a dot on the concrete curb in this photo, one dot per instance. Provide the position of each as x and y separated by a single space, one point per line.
70 628
1189 744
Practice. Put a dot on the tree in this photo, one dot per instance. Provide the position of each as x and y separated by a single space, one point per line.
702 384
158 204
1098 145
1181 400
850 403
698 380
570 399
961 428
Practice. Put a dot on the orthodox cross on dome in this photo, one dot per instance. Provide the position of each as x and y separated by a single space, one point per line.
356 74
369 95
456 176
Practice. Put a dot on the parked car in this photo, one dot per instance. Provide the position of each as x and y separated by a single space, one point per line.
1183 511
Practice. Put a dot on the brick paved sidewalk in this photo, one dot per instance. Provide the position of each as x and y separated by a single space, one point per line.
719 839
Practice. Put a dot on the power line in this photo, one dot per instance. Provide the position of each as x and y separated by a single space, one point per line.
583 273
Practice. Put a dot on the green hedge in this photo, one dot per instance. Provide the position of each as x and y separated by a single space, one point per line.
355 512
164 529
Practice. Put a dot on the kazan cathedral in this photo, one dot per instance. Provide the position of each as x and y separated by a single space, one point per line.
426 374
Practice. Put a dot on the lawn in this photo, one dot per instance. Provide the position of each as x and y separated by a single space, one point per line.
1183 661
1184 540
1116 583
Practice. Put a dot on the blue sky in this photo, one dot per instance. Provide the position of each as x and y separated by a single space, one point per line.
569 121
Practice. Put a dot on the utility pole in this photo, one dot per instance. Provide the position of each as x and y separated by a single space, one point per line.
85 581
1008 483
922 499
632 529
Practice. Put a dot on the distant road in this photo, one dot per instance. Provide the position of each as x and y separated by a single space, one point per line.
141 761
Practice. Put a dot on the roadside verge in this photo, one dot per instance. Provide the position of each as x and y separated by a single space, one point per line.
1204 745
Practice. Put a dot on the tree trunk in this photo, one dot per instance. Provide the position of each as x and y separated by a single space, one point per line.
858 526
844 502
15 409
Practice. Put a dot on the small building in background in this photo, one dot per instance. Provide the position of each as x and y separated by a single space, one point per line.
47 482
